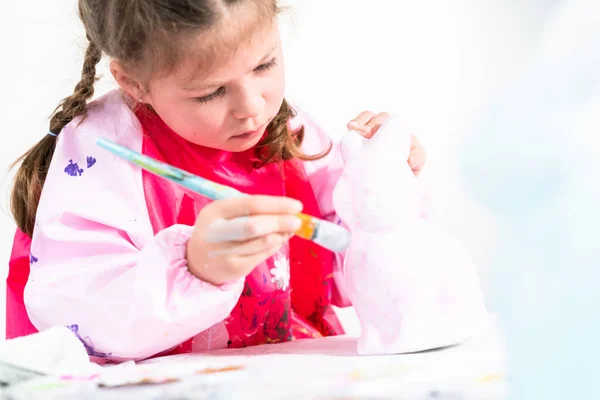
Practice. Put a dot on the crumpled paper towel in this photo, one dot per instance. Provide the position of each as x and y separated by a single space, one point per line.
54 352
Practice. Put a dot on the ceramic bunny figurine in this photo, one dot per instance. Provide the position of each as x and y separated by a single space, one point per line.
413 286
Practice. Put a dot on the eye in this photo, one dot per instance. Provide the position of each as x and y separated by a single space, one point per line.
220 92
266 66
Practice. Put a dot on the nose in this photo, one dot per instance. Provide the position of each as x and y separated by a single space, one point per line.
249 103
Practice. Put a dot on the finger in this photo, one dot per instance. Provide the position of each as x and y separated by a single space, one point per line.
359 123
375 123
414 142
417 169
417 157
245 228
416 160
248 263
252 205
249 247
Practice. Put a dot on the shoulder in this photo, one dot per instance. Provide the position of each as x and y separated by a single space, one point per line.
76 150
109 116
88 182
78 155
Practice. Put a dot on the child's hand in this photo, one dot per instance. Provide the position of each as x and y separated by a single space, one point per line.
368 123
231 237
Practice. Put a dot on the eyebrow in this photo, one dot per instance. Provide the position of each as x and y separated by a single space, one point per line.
192 87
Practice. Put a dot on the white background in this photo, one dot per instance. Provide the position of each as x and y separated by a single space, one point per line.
433 61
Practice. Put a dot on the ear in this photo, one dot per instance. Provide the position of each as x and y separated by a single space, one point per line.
351 144
127 83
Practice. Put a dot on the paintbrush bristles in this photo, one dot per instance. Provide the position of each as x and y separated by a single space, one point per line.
331 236
309 224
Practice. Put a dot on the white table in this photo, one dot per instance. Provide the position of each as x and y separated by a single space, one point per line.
307 369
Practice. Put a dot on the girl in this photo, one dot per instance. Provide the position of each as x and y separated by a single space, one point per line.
137 266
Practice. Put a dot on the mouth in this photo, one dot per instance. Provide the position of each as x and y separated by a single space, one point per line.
251 134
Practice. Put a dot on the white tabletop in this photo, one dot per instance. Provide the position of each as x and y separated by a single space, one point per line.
308 369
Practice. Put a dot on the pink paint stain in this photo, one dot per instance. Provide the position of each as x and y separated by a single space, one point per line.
79 378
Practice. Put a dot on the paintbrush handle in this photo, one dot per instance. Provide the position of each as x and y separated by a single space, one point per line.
195 183
214 191
208 188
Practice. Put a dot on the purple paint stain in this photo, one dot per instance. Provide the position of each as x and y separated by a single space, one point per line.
73 169
90 350
32 259
91 161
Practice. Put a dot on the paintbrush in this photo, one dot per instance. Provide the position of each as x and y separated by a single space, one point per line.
323 233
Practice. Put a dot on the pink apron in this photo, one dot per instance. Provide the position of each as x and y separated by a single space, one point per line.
267 311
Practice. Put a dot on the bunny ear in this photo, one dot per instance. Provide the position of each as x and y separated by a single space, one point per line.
350 145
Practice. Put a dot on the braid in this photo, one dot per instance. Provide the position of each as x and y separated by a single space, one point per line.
31 175
76 104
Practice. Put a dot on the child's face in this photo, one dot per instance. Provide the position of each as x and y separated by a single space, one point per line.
229 103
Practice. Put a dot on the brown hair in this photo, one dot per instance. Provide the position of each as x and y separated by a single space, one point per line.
138 33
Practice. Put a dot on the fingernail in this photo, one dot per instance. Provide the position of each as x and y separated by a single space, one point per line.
295 224
367 129
353 125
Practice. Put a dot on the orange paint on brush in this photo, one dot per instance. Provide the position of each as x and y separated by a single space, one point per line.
307 229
